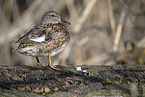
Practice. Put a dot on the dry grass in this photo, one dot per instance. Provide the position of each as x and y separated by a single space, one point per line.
99 28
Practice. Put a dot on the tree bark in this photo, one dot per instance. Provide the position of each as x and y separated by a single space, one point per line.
120 80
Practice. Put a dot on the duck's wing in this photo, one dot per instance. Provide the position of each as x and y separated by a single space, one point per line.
45 33
41 34
37 34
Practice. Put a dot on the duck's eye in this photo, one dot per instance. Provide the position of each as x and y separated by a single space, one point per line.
53 15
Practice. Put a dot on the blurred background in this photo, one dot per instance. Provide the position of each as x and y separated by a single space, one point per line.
103 32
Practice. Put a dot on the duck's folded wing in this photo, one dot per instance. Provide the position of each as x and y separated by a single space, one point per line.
37 34
24 38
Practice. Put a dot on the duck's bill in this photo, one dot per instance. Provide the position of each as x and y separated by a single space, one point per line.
64 22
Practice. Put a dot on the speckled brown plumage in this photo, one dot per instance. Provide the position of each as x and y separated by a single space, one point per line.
56 37
45 40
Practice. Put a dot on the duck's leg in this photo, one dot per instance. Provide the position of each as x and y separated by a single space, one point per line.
38 62
52 67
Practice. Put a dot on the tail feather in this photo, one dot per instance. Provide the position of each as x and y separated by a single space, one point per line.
15 50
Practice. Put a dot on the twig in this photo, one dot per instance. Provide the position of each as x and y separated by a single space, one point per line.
119 30
84 16
111 17
15 9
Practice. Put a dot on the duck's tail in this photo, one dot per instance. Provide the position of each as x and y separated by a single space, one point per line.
15 50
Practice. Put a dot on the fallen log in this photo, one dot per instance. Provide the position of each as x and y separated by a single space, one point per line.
120 80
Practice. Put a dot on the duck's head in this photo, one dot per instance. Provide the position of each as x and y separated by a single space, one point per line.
53 17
